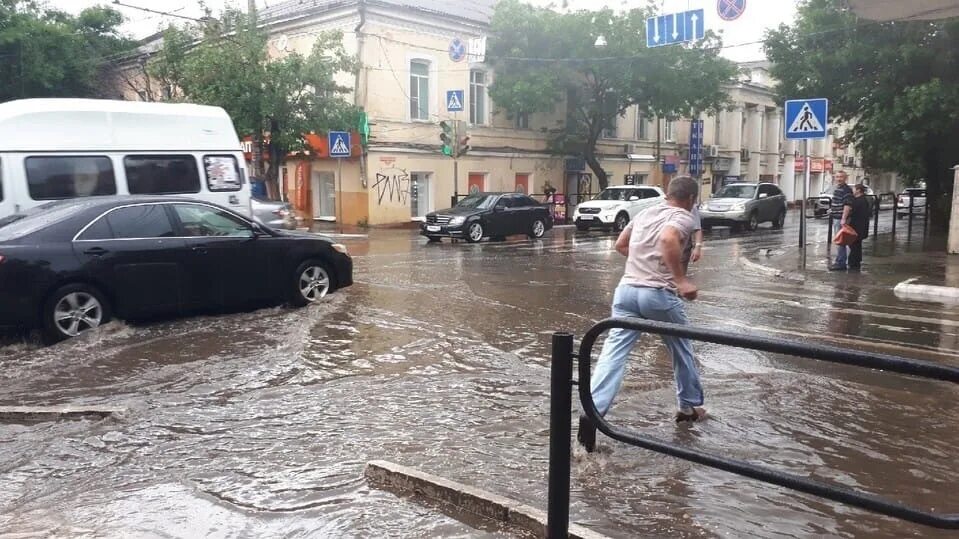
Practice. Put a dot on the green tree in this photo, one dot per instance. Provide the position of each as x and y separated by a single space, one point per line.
896 82
276 100
544 59
49 53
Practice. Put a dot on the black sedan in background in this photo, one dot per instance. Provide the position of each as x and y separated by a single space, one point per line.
494 215
77 263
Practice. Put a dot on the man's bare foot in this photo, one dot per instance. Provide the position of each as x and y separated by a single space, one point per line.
690 414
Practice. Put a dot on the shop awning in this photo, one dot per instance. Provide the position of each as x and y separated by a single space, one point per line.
889 10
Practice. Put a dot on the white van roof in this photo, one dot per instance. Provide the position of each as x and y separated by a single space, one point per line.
75 125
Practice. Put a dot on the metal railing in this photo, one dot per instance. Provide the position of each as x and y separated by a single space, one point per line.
561 385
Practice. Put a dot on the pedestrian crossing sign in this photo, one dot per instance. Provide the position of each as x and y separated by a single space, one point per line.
339 142
454 100
807 118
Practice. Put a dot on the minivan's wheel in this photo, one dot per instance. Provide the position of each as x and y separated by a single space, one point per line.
753 223
780 220
474 232
73 309
310 283
538 229
622 221
582 227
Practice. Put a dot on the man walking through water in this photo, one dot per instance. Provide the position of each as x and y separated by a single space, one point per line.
653 287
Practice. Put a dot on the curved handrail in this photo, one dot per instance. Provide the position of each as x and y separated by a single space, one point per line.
923 369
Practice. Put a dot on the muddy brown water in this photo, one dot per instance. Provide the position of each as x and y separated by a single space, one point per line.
259 424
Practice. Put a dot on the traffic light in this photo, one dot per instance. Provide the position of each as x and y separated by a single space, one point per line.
363 128
448 136
463 146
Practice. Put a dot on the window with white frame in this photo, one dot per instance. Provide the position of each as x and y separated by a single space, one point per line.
669 131
478 97
522 120
419 90
610 130
642 127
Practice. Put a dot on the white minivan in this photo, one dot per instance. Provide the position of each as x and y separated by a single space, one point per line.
53 149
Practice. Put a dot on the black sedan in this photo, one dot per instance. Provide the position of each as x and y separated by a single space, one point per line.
76 263
494 215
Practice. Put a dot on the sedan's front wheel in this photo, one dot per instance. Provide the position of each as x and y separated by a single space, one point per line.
474 232
311 283
538 229
73 309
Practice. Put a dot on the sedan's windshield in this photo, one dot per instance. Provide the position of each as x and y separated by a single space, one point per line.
616 194
481 202
736 191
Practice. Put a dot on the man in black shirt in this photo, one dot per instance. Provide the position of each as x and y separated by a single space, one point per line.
841 198
856 215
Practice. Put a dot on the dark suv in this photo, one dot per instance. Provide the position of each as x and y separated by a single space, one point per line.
483 215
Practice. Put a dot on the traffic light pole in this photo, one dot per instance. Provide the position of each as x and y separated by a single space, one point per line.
456 180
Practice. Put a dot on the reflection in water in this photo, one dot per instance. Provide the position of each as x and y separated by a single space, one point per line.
260 424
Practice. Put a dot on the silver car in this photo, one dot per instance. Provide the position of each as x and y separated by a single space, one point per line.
911 195
273 213
745 205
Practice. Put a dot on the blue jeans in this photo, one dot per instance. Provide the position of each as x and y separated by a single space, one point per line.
841 254
652 304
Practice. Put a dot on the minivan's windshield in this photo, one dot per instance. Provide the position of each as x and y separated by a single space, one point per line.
37 219
736 191
480 202
616 194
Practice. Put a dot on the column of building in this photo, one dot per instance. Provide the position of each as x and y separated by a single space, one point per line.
732 137
773 136
754 142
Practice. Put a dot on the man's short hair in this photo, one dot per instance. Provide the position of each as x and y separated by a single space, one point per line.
861 188
682 187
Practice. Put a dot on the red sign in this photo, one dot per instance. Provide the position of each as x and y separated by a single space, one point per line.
301 186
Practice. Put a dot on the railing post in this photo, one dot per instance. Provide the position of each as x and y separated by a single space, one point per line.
912 203
560 432
895 215
829 237
875 220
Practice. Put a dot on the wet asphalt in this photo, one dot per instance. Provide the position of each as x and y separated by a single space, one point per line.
259 424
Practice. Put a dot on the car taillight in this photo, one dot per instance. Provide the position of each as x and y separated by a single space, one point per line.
2 259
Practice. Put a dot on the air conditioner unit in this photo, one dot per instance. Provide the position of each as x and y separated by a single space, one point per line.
744 154
712 151
850 161
631 149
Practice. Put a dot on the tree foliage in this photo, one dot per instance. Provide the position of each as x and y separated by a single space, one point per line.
49 53
276 100
544 59
896 83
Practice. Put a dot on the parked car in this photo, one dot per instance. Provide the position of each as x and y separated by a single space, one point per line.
824 202
745 205
616 206
77 263
483 215
917 196
273 213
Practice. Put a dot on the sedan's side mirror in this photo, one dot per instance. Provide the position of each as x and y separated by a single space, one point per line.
633 198
763 195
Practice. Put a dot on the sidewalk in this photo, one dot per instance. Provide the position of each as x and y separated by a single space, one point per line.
920 260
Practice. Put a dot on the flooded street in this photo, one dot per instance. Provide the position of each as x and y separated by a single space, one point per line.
259 424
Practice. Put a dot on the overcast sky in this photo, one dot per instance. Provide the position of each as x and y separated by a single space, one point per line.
759 15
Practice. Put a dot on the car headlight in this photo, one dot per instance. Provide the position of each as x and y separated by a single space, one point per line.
739 206
340 248
457 221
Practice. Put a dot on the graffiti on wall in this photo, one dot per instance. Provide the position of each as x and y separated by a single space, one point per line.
392 184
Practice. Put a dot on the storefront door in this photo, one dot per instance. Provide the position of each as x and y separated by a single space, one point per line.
522 183
421 195
477 182
324 195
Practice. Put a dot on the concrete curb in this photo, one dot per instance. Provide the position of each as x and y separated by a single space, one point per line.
403 480
53 413
909 290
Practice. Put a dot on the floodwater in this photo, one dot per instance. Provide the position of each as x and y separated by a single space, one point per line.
259 424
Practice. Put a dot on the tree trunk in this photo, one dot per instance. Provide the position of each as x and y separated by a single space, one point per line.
594 165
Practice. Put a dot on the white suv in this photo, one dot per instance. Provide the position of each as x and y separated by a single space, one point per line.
616 206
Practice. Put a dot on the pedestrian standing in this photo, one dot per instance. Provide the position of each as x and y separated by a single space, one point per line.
856 214
841 197
653 287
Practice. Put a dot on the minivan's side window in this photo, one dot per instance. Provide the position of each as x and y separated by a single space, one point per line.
222 173
59 177
142 221
200 220
161 174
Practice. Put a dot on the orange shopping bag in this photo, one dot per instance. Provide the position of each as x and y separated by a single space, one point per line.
846 236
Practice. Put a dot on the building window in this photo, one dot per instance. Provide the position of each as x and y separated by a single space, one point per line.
669 131
642 127
610 131
419 90
477 97
522 120
420 195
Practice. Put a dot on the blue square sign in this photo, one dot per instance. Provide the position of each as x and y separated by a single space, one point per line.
339 143
807 118
454 100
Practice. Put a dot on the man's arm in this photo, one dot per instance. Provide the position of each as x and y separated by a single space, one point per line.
622 242
846 210
671 245
697 245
